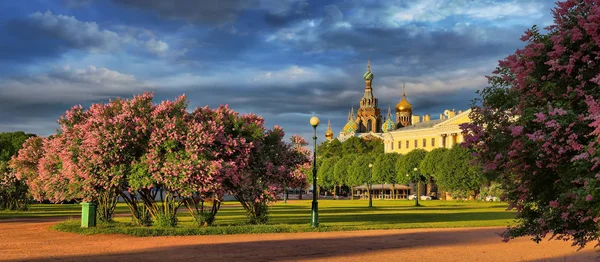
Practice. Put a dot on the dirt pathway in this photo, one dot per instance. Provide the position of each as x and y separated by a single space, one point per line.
31 240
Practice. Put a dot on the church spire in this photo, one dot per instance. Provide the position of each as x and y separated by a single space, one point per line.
403 89
329 133
389 111
369 65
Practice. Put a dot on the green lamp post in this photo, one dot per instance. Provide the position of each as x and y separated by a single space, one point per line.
314 221
371 185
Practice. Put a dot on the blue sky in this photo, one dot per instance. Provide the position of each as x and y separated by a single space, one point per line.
282 59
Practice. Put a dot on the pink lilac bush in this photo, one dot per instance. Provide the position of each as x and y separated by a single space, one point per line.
537 126
160 157
272 164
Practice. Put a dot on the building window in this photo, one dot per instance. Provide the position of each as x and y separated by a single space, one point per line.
416 144
433 142
406 143
399 144
424 142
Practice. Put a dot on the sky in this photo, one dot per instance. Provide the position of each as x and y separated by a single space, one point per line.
283 59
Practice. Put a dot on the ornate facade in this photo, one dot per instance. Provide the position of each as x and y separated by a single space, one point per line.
400 134
404 131
427 134
368 121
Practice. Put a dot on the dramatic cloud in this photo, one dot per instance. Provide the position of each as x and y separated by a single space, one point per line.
77 34
60 33
219 12
192 10
283 59
67 85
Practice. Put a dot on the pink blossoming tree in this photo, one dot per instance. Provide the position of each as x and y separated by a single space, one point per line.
158 158
272 165
537 126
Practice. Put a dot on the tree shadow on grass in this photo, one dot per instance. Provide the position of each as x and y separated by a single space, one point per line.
303 247
402 218
367 210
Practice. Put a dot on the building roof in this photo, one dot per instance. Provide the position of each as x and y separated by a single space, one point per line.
426 124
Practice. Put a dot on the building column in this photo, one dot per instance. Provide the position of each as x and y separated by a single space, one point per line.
451 142
461 138
441 141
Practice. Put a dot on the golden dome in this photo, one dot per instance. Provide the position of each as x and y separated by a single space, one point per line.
329 133
403 105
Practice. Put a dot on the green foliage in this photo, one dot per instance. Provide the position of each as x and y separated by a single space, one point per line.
334 159
432 163
458 175
325 173
13 192
384 168
495 190
359 170
406 165
164 220
341 169
10 143
353 145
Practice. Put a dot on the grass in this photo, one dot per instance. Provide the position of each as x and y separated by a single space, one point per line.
334 215
51 210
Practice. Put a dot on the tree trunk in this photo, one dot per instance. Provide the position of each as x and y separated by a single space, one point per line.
285 195
394 191
334 192
352 192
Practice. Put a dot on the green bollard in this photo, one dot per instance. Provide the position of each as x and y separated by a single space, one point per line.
88 215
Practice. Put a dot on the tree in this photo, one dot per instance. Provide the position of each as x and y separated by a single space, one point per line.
406 165
373 146
353 145
341 170
536 126
360 173
159 157
13 192
299 144
10 144
272 163
458 175
432 165
384 169
325 174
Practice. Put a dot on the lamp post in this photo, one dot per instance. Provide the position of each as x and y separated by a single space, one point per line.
314 220
371 185
416 177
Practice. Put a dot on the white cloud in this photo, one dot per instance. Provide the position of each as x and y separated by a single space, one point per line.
89 35
157 47
436 10
247 78
86 35
68 85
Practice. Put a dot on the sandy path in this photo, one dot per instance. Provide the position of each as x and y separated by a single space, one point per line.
31 240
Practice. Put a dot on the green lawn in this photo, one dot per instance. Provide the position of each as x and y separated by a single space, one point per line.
294 216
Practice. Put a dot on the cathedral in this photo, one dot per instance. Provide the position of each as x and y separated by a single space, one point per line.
368 123
404 131
400 134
